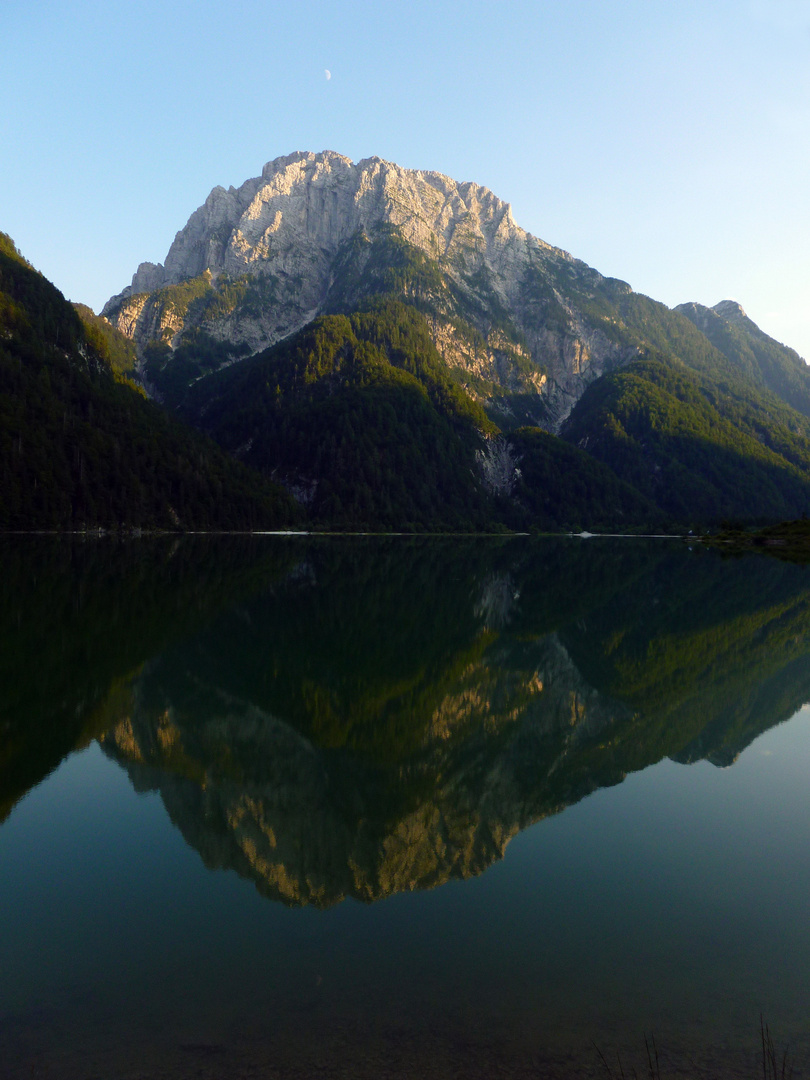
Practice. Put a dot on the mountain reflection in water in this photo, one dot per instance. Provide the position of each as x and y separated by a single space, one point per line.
360 717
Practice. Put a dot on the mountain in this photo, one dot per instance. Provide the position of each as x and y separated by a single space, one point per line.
80 446
525 326
317 234
391 347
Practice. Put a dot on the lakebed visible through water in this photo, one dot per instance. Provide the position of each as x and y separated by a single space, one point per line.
390 807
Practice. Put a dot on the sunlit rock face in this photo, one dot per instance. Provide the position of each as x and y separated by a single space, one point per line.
304 206
304 238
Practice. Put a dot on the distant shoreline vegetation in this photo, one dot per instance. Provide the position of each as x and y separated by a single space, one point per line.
786 539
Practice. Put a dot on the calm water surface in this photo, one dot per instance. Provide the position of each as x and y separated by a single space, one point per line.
294 807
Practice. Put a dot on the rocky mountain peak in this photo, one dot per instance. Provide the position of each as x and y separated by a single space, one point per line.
730 310
304 205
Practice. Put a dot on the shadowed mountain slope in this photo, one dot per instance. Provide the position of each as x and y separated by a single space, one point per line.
79 444
764 361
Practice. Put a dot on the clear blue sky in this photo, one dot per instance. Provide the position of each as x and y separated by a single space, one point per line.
666 142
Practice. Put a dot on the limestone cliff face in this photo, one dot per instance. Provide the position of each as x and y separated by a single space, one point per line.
298 212
284 236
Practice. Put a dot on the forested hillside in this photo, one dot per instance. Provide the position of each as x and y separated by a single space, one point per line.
359 417
702 447
80 447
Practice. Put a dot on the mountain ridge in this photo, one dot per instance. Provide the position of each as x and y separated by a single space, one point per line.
767 362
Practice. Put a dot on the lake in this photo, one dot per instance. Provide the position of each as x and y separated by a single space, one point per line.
294 807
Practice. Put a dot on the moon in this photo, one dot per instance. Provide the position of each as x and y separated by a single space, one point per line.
328 74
